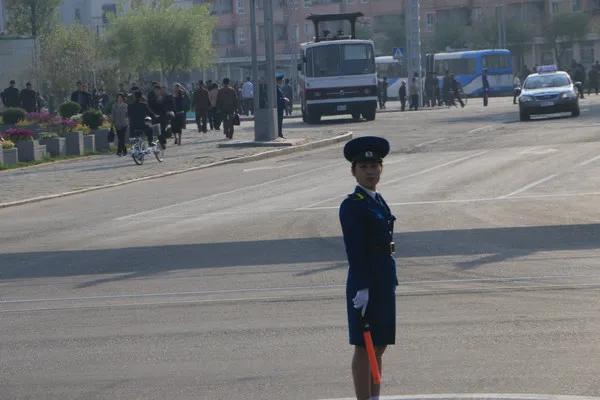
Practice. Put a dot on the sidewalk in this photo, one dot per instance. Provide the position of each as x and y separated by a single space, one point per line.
197 149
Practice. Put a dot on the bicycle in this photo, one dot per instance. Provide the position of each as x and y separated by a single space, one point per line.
139 150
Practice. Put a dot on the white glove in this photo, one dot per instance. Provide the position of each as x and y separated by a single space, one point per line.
361 300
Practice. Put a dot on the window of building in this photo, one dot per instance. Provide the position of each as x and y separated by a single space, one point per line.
77 15
307 3
429 22
576 5
477 14
587 54
223 37
261 33
296 32
555 7
280 32
364 1
108 9
240 6
241 36
223 6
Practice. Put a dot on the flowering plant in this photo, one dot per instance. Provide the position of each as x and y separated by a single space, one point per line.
42 117
17 134
83 129
6 144
61 125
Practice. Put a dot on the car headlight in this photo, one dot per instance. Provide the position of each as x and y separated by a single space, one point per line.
525 98
568 95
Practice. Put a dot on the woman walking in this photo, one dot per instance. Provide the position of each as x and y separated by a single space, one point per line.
181 105
120 123
368 226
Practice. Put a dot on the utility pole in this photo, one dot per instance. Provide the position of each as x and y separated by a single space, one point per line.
412 15
254 66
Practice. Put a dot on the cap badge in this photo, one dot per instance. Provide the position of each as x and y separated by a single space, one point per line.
369 154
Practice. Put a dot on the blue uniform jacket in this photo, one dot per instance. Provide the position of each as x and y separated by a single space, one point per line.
280 101
368 228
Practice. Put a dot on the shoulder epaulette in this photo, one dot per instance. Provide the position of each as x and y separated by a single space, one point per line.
356 196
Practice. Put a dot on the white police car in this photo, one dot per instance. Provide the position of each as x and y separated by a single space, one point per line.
546 92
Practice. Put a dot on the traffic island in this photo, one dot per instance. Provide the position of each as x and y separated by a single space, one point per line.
279 142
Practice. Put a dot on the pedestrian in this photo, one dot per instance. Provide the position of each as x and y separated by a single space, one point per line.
161 106
181 105
516 88
82 97
456 89
368 226
578 75
213 116
281 105
594 78
10 96
382 87
227 105
102 99
137 113
429 90
120 122
414 93
402 95
29 99
485 85
447 89
201 105
248 97
288 93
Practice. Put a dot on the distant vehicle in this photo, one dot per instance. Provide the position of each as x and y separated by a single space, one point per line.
467 67
394 70
546 92
337 73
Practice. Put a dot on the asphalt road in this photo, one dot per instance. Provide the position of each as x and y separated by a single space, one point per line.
228 283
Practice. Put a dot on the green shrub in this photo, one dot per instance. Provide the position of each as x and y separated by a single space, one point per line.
7 144
11 116
92 118
68 109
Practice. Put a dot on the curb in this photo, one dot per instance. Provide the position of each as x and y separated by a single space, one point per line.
254 157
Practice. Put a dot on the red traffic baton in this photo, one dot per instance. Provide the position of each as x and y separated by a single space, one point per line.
371 352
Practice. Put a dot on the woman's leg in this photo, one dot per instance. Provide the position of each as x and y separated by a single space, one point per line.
361 373
375 389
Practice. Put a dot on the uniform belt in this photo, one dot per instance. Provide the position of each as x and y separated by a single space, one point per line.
385 248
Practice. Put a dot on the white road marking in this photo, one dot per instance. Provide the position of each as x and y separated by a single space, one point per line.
586 162
539 151
270 167
291 288
531 185
315 297
177 205
429 142
458 160
478 396
481 129
458 201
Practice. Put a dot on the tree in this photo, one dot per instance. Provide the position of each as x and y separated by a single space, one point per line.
67 55
31 17
564 29
161 37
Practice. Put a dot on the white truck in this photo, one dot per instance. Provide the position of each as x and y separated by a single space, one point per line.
337 73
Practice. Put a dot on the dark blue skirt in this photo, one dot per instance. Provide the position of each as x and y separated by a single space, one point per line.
381 315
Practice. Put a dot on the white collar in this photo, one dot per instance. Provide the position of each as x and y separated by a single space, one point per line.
369 192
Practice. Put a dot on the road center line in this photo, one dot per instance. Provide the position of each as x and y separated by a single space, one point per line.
429 142
481 129
531 185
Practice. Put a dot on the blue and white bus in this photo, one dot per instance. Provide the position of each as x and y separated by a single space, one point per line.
468 65
395 72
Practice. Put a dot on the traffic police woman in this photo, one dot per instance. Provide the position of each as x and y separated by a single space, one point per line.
368 225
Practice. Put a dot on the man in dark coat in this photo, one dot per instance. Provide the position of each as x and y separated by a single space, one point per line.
288 92
201 104
82 97
594 78
281 104
29 99
486 86
227 105
10 96
447 89
137 113
402 95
